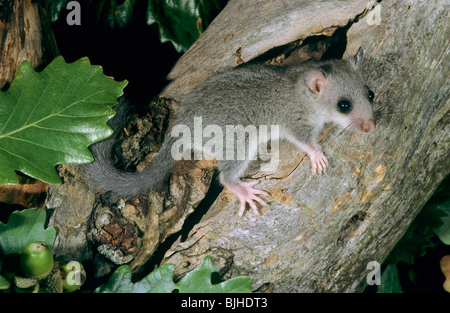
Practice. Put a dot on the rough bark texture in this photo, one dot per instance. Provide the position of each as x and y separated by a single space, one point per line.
318 233
25 35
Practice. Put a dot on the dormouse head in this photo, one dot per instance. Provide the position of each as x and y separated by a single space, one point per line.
344 96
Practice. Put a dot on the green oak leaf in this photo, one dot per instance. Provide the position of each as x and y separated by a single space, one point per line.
390 281
181 21
199 281
110 13
54 8
161 281
24 227
418 237
432 219
158 281
4 283
51 117
443 232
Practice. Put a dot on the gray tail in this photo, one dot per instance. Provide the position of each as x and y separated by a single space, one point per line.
107 177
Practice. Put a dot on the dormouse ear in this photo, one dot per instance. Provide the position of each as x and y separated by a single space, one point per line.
356 61
316 81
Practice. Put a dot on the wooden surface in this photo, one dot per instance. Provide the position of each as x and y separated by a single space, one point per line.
25 35
319 233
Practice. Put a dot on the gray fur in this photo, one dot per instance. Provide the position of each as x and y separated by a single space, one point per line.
249 95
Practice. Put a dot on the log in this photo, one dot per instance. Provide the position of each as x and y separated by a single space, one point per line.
156 217
319 233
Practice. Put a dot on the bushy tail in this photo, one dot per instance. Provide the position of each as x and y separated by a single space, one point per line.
107 177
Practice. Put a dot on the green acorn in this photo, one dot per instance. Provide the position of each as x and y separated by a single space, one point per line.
36 260
73 275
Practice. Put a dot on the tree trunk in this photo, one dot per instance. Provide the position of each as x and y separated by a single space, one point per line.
318 233
25 35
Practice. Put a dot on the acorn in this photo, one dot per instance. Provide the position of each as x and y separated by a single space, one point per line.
73 276
36 260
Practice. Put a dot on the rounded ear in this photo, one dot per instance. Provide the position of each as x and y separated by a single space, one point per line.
316 81
356 61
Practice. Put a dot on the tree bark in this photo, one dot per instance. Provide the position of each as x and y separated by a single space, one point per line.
319 233
25 35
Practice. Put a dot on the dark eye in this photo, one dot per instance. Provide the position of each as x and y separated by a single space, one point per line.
344 106
370 96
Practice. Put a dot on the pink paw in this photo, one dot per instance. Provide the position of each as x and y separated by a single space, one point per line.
247 194
318 162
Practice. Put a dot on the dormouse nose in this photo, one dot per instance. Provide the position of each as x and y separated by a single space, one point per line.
369 125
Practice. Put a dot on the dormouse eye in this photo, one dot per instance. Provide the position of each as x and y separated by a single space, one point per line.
344 106
371 96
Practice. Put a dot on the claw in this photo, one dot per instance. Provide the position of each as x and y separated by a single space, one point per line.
247 195
318 162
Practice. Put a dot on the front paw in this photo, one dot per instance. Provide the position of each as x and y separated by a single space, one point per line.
318 162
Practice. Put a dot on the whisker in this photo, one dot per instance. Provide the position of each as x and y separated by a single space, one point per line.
381 114
342 132
335 142
387 114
